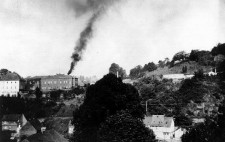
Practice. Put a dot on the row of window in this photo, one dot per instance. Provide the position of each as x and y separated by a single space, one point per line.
9 92
11 82
9 87
65 87
54 82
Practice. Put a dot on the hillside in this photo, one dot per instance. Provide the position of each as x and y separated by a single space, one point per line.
192 67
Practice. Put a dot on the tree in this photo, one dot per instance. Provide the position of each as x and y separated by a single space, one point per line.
184 69
203 132
122 127
179 56
38 93
103 99
182 121
136 72
212 130
115 68
149 67
4 71
219 49
202 57
199 74
221 69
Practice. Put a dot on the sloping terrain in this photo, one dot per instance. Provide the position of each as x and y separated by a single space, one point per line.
192 67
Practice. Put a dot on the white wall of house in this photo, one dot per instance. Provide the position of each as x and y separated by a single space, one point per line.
164 132
10 87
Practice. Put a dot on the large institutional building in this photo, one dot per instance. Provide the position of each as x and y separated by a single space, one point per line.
54 82
11 84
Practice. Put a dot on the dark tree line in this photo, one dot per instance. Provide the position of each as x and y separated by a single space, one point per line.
110 103
139 71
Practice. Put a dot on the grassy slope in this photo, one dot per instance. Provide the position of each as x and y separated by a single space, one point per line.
191 68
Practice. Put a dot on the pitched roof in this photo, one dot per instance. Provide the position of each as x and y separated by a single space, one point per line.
9 77
11 117
158 121
28 129
57 76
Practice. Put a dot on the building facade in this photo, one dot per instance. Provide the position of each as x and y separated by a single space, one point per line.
163 127
55 82
13 122
177 77
11 84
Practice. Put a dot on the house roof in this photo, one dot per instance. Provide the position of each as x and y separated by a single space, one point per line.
28 129
158 121
57 76
10 76
11 117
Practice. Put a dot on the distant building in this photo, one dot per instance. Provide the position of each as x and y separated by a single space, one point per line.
70 128
163 127
11 84
54 82
212 73
13 122
177 77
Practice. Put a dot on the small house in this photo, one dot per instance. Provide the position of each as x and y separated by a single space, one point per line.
163 127
13 122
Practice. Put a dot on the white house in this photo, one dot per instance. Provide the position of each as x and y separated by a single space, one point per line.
177 77
10 84
163 127
70 128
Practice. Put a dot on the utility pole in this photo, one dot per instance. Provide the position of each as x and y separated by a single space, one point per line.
146 103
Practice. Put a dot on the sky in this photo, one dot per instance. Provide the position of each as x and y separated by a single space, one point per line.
38 37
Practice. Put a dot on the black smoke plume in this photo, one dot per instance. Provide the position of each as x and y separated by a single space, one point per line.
98 6
81 45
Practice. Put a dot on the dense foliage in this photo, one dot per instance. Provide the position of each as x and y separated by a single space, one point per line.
122 127
219 49
182 55
212 130
202 57
30 108
104 99
139 71
136 72
115 68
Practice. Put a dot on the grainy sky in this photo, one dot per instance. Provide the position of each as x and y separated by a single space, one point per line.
37 37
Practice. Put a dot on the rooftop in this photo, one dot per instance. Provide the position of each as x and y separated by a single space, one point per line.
57 76
11 117
10 76
158 121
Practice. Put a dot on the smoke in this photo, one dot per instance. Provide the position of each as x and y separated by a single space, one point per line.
98 7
